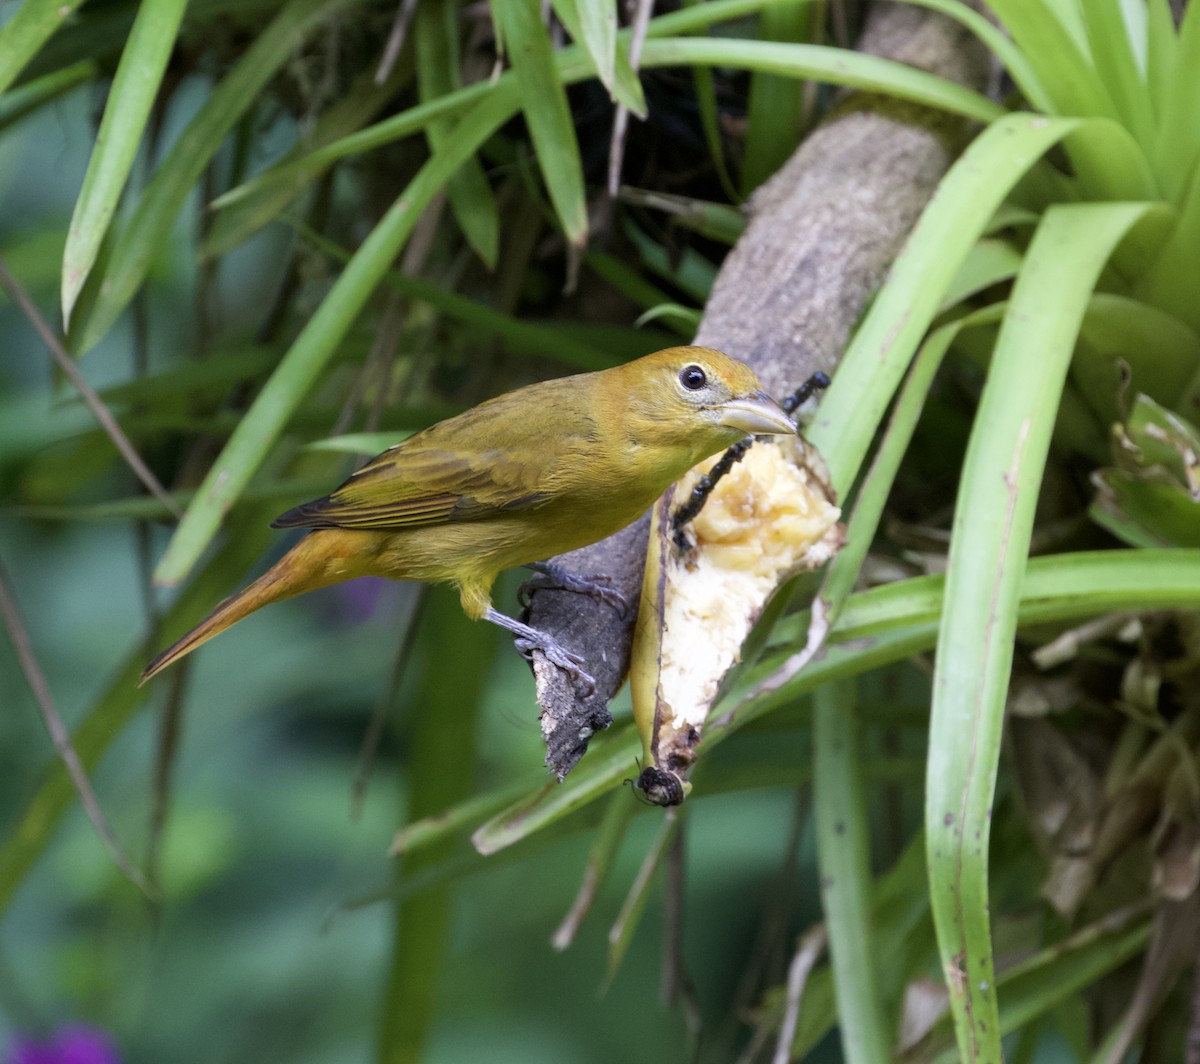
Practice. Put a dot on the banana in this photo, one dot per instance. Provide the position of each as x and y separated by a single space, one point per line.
770 517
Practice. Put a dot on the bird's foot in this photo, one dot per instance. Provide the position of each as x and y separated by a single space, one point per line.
560 657
548 576
528 639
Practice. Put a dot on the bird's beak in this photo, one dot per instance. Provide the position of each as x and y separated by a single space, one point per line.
757 415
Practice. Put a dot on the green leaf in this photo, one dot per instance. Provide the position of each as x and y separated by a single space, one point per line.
1161 352
620 935
1145 513
706 101
315 346
843 858
1162 51
878 627
832 65
544 102
988 263
1016 64
610 758
295 173
686 319
134 90
365 443
993 521
470 195
606 845
1153 494
853 407
135 246
717 221
825 64
1166 281
1178 142
1117 66
593 23
1057 51
33 24
776 104
29 97
876 486
264 201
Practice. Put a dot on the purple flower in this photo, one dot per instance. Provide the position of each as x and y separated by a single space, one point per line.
72 1044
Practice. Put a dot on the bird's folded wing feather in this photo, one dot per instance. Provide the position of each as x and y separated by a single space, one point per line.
424 485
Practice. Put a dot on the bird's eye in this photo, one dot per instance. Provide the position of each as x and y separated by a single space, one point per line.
692 378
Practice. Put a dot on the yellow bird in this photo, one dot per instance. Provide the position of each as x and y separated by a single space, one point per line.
530 474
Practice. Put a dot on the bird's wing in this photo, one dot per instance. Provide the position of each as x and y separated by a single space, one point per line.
425 485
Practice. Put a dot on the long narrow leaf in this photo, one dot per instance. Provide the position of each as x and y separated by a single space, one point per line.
1117 66
988 551
877 484
468 191
775 104
1058 56
19 102
544 102
880 626
593 23
1178 146
1014 60
833 65
30 28
881 350
134 89
843 857
521 337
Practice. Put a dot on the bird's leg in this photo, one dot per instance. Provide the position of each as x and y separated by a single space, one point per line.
704 486
818 382
528 639
548 576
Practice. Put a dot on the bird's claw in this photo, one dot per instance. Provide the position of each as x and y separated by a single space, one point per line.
557 655
552 577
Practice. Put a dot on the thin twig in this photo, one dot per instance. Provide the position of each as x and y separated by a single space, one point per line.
395 41
94 402
808 949
169 727
675 985
616 151
61 737
385 705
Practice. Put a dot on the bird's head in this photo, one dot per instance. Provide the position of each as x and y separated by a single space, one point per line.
706 396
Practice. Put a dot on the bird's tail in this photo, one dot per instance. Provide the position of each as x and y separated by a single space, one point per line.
312 563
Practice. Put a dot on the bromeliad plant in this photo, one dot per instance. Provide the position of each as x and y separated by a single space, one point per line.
1061 252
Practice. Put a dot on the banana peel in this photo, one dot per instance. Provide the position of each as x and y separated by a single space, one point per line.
772 516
